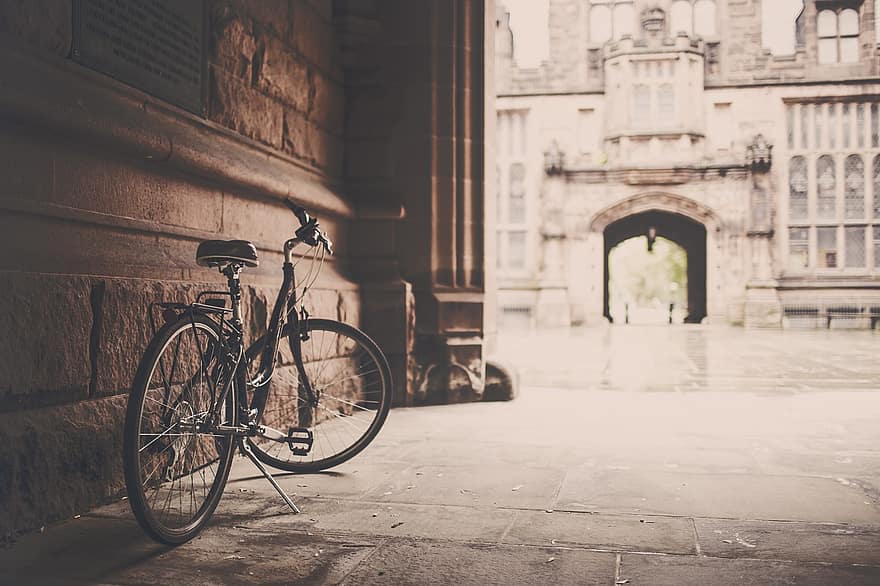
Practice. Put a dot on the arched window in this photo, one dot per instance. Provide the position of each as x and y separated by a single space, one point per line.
825 187
681 18
797 188
838 34
854 188
600 23
704 18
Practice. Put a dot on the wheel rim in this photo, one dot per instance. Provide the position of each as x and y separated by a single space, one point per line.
349 382
179 459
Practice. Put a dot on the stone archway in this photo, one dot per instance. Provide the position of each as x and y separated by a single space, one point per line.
682 220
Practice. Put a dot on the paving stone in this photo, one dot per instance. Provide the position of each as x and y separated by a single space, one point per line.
612 532
808 542
718 495
337 516
654 570
419 562
495 486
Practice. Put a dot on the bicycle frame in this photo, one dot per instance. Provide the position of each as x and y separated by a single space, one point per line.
283 313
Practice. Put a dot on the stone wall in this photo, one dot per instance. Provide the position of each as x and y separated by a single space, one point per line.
106 194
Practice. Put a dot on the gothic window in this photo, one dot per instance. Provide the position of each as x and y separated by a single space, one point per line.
512 229
854 241
854 188
826 244
834 199
798 248
825 188
797 189
838 32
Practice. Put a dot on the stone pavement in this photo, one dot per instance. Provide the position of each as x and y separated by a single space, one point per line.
633 455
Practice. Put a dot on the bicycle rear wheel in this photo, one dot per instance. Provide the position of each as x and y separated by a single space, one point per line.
352 384
175 469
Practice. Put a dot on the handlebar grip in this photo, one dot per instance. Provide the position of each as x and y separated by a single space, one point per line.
301 214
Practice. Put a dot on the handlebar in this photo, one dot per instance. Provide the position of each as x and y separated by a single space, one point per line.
309 231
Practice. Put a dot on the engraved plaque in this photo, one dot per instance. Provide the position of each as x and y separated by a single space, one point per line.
154 45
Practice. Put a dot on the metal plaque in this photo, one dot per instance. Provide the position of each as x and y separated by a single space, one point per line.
154 45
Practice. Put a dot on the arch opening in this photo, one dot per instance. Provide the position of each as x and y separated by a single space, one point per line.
678 230
647 281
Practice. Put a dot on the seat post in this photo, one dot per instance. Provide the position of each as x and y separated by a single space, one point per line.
232 272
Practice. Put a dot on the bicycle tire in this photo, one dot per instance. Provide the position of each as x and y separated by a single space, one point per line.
162 443
361 412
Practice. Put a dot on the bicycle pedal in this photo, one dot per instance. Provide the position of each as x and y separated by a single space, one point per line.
299 435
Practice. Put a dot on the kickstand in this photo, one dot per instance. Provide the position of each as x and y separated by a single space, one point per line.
246 448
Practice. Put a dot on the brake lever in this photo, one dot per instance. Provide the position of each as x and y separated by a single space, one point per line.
325 240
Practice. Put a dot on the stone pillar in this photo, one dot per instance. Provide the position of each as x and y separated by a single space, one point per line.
762 305
552 307
416 106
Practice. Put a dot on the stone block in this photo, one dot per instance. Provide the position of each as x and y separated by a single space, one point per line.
314 37
46 322
244 110
45 23
285 76
117 188
58 462
125 329
232 45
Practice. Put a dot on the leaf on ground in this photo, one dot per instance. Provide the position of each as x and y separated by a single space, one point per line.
550 559
517 487
396 525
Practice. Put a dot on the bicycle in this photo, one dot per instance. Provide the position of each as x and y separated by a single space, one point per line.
301 406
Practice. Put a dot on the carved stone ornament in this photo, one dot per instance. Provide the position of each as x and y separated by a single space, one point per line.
653 20
759 154
554 159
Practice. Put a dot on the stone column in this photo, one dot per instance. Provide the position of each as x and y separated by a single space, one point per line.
415 136
552 307
762 305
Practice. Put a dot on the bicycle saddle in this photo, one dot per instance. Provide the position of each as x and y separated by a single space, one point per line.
213 253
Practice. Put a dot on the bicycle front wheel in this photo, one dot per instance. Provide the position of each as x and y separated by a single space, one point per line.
352 394
175 467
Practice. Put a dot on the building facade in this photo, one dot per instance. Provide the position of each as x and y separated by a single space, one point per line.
756 150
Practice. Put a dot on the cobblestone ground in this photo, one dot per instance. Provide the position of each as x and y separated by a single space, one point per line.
633 455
